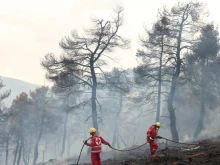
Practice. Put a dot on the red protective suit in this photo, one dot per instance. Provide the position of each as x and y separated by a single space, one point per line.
152 132
96 144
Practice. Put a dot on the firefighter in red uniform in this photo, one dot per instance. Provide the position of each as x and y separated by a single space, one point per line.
96 144
151 135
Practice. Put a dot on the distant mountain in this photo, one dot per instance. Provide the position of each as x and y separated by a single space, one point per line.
17 87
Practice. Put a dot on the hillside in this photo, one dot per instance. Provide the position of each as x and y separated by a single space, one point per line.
203 152
16 86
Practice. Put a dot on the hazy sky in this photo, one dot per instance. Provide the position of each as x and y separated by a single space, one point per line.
29 29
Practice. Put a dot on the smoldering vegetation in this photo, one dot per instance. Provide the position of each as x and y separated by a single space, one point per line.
176 82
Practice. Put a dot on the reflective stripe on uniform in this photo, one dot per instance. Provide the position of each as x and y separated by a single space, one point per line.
96 151
96 146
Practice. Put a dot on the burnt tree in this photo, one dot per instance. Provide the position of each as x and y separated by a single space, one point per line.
152 70
85 55
203 64
119 82
185 22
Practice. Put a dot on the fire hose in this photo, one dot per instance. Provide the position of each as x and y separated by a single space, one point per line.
133 148
128 149
179 142
111 148
81 151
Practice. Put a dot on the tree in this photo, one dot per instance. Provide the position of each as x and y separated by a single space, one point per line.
202 65
26 122
153 70
45 115
84 56
69 104
68 108
3 117
185 23
19 122
118 81
40 99
3 95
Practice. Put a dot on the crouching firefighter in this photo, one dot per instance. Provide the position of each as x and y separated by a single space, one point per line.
96 142
151 135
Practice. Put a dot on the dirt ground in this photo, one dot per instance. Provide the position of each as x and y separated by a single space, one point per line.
206 152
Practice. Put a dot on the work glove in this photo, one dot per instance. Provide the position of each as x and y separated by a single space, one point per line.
151 138
85 141
159 137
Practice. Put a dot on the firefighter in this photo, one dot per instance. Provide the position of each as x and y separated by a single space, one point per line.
96 145
151 135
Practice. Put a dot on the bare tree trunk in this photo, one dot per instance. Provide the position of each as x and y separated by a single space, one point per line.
84 129
16 150
24 153
175 77
116 132
59 144
159 87
55 150
94 111
200 125
44 151
37 142
29 150
94 86
160 82
84 133
171 110
6 150
68 145
118 141
64 135
19 153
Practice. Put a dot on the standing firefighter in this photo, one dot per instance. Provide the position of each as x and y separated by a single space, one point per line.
151 135
96 144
